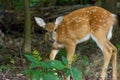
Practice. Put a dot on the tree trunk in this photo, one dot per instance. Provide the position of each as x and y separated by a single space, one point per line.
27 29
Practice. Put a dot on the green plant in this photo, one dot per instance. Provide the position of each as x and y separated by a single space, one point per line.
3 67
49 70
36 54
7 67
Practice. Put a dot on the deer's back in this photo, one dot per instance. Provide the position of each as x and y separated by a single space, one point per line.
79 23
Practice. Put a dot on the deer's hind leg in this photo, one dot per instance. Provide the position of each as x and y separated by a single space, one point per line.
114 60
109 52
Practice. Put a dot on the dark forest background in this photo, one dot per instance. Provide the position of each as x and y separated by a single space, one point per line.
22 43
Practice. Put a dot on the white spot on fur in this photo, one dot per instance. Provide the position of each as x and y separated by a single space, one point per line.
87 11
102 16
101 20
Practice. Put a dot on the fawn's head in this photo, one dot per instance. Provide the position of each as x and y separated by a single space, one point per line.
50 28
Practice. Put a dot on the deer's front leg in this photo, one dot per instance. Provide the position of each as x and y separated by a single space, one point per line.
53 54
70 52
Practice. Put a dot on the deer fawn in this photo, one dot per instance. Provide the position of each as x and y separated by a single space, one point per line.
80 25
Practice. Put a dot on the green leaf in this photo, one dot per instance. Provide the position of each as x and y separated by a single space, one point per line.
53 64
32 58
36 74
46 64
27 72
58 65
34 61
35 65
76 74
35 52
67 72
64 60
51 76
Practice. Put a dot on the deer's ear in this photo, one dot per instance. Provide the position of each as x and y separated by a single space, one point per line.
40 22
59 20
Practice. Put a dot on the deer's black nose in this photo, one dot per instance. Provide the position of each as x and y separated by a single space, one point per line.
52 40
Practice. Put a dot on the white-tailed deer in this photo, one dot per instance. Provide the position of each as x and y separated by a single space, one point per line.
80 25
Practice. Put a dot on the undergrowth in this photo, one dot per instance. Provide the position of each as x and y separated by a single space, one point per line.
51 69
